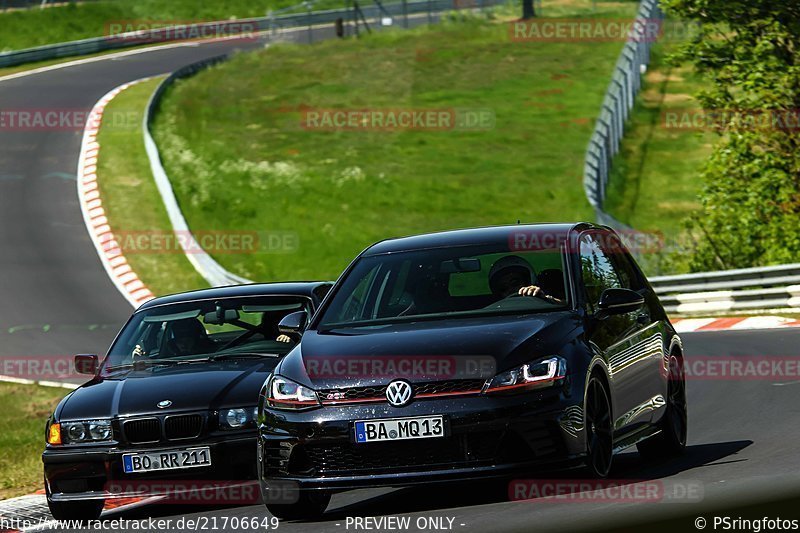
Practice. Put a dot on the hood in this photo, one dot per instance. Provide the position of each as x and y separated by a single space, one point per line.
464 348
196 386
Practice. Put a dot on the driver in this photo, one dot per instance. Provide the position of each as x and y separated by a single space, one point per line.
512 275
188 336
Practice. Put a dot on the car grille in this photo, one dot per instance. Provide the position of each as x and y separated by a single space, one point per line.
174 427
183 427
142 430
449 387
434 388
462 450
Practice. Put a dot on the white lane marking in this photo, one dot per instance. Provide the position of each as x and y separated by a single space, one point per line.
786 383
111 255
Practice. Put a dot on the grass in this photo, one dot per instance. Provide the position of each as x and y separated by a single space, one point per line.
655 179
131 199
239 157
36 27
26 409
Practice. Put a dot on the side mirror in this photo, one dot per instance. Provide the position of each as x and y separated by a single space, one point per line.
619 302
293 324
86 364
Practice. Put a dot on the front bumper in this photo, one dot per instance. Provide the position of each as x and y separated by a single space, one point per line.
84 473
485 436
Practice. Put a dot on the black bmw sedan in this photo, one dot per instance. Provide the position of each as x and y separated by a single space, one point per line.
473 353
173 400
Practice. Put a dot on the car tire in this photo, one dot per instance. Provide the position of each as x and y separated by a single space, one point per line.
671 440
599 428
309 506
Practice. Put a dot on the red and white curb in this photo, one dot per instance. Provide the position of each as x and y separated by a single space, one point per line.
27 514
114 262
687 325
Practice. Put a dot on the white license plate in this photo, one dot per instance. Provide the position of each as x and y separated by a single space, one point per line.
166 460
424 427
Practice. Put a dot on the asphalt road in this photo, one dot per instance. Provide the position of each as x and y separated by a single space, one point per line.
56 299
742 448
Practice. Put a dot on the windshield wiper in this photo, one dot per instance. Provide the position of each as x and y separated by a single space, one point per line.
147 363
243 355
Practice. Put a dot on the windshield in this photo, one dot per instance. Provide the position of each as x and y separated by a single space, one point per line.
445 282
203 330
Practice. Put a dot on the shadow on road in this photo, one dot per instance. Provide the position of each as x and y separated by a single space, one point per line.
627 466
441 496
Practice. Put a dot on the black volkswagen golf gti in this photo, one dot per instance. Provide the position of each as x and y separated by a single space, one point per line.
173 401
474 353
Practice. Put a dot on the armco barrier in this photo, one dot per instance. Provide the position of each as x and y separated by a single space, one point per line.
212 271
748 290
617 104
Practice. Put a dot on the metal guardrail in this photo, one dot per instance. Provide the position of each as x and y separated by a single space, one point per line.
262 24
214 273
775 288
617 104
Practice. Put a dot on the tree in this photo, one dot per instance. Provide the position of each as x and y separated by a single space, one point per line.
749 50
528 11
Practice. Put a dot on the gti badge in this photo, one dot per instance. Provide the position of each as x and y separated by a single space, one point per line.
163 404
398 393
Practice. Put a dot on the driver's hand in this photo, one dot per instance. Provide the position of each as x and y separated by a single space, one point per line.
284 338
531 290
138 351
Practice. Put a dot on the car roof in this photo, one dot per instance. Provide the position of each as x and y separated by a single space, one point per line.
294 288
473 236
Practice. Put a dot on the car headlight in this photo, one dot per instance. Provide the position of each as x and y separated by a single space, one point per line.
535 375
81 431
284 393
238 418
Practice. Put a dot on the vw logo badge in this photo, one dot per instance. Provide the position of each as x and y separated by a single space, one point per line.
398 393
163 404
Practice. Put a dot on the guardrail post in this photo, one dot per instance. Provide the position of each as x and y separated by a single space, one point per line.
310 30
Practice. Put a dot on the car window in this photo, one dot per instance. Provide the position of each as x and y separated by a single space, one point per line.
201 329
623 262
597 270
444 282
